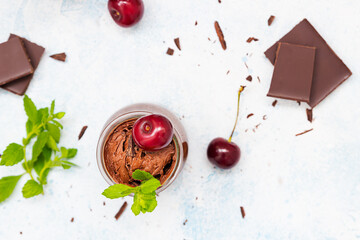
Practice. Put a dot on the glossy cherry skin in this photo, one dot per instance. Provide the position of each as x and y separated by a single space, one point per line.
153 132
126 13
223 154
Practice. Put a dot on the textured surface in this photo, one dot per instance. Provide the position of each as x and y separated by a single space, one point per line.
305 187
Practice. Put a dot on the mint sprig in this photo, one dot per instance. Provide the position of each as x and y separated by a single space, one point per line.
44 128
144 195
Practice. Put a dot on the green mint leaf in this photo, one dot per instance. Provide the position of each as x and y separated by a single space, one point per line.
39 144
67 164
43 158
31 189
64 152
54 131
58 124
72 153
150 186
43 115
52 108
118 191
30 109
13 154
7 186
29 126
135 208
141 175
51 143
59 115
144 203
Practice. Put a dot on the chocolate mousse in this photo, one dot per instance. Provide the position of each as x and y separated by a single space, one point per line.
122 157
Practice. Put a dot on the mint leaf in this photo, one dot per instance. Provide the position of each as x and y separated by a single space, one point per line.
135 208
7 186
141 175
52 108
29 126
67 164
31 189
43 115
30 109
72 152
13 154
118 191
58 124
51 143
39 144
43 158
150 186
54 131
59 115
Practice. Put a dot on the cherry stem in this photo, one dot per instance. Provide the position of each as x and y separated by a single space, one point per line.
237 114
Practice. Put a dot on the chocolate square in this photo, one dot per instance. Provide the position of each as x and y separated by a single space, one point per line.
14 62
293 72
329 70
35 53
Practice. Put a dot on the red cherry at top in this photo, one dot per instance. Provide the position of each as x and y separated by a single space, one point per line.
153 132
126 13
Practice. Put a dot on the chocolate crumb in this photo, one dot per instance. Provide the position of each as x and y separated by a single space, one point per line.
249 78
309 114
220 35
177 43
195 23
170 51
250 39
250 115
274 103
270 20
59 57
306 131
184 223
219 1
81 134
196 198
120 212
257 126
264 117
258 78
246 65
227 73
104 203
298 102
20 233
209 39
72 220
242 211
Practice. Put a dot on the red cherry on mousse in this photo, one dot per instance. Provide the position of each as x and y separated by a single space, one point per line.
153 132
224 153
126 13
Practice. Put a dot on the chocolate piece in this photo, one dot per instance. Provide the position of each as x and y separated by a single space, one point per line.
177 43
184 223
274 103
309 114
250 39
293 72
81 134
306 131
270 20
242 210
196 23
121 211
14 62
121 162
258 78
104 203
35 53
264 117
59 56
220 35
329 72
72 220
249 78
250 115
170 51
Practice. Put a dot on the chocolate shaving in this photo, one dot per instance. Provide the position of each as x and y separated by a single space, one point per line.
227 72
274 103
309 114
20 233
120 212
250 115
220 35
170 51
271 19
246 65
264 117
177 43
304 132
258 78
249 78
184 223
242 211
104 203
195 23
219 1
59 57
81 134
257 126
72 220
250 39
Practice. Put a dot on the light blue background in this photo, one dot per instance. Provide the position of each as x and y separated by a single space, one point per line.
305 187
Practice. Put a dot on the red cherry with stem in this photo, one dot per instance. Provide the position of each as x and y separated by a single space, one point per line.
153 132
126 13
224 153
